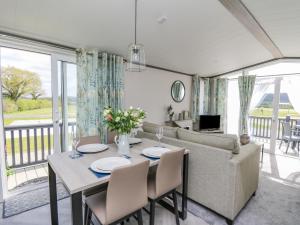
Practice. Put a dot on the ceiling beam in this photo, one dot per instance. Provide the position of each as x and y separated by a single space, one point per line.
245 17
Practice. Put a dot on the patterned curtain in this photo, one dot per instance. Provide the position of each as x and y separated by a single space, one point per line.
196 97
206 97
100 83
246 86
220 101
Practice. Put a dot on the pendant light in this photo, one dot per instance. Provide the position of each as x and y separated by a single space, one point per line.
136 52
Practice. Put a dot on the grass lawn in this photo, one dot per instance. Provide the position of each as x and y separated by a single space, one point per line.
24 144
267 112
35 114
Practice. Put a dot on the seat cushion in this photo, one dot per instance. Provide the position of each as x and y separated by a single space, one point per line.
223 141
97 203
152 127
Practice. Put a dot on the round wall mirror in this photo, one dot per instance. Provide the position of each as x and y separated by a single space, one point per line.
178 91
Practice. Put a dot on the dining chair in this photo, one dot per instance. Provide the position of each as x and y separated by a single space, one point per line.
164 181
89 140
126 195
288 136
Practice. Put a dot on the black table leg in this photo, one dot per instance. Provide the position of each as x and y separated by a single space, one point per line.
76 203
53 196
183 213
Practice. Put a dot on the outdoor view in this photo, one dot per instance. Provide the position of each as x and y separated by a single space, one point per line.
261 107
27 103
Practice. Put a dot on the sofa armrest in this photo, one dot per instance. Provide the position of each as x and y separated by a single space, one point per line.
245 174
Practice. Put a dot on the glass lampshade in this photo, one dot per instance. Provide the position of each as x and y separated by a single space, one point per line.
136 58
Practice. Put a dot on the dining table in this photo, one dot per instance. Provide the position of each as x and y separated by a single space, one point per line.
76 176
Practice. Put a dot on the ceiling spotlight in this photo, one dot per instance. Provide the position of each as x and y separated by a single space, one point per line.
162 19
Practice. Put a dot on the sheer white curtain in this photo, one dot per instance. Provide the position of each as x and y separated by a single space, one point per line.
262 87
233 107
291 86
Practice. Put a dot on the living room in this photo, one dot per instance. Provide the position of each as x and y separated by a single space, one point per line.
159 112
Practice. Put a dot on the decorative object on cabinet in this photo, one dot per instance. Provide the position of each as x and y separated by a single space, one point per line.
170 112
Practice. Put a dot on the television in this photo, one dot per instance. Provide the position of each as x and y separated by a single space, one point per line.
209 122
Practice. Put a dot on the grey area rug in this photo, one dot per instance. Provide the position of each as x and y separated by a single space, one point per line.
275 203
31 199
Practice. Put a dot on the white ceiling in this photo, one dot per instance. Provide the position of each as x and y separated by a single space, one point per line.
199 36
281 20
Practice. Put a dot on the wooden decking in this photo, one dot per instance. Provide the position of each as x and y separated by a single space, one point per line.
21 175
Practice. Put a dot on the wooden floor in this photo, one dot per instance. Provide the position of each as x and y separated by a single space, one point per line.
21 175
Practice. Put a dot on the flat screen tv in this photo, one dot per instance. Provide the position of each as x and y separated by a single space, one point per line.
209 122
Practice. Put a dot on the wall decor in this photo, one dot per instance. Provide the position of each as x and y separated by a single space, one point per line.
178 91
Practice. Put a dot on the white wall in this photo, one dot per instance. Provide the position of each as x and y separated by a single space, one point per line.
151 90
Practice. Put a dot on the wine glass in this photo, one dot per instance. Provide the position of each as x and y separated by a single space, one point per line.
75 142
159 134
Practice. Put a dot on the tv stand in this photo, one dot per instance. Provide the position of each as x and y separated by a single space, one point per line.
211 131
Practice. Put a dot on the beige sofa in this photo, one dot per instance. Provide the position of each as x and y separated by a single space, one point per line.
222 175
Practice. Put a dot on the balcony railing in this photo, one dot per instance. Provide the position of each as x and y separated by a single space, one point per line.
29 144
261 126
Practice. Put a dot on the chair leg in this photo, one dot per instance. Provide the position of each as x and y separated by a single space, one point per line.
152 212
175 207
229 221
140 217
287 147
85 212
88 216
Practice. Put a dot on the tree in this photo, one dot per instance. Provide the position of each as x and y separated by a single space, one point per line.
36 90
17 83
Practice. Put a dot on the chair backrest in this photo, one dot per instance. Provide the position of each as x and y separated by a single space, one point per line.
286 128
169 172
89 140
126 191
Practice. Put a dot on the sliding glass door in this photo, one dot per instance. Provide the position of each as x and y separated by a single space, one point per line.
275 99
67 84
38 105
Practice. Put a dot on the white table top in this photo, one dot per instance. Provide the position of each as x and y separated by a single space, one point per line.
75 173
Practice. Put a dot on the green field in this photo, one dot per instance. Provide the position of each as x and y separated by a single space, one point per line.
35 114
267 112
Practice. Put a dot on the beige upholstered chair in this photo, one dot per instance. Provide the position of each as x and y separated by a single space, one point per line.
165 180
126 195
89 140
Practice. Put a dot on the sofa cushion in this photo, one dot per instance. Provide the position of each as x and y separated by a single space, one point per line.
224 141
152 127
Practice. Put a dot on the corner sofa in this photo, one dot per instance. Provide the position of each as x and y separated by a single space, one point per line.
222 174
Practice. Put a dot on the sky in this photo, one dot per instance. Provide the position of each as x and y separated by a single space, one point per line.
40 64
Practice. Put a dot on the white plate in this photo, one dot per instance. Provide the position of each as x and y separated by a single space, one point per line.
92 148
133 141
106 165
155 152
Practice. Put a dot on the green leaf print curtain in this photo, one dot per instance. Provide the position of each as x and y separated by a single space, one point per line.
220 101
206 100
246 86
100 83
195 97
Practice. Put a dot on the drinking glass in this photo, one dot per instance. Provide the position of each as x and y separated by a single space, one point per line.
159 134
75 142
